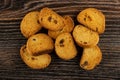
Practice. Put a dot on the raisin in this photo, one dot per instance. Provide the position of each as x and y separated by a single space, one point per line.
32 58
41 19
85 42
38 22
89 18
85 14
61 41
85 64
34 39
84 19
55 21
49 18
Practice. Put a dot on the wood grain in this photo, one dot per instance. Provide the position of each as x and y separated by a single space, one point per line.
11 39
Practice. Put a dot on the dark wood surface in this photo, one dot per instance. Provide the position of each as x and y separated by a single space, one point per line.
11 65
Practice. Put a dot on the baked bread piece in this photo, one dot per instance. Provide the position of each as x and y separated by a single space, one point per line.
85 37
39 44
35 62
30 24
69 25
65 47
93 19
50 19
91 57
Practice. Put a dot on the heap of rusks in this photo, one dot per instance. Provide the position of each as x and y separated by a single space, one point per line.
35 53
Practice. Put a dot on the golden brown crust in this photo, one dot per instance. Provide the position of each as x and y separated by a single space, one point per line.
30 24
35 53
93 19
50 20
39 44
85 37
69 25
65 47
91 57
35 62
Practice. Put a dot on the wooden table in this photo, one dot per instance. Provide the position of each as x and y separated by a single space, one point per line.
11 39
